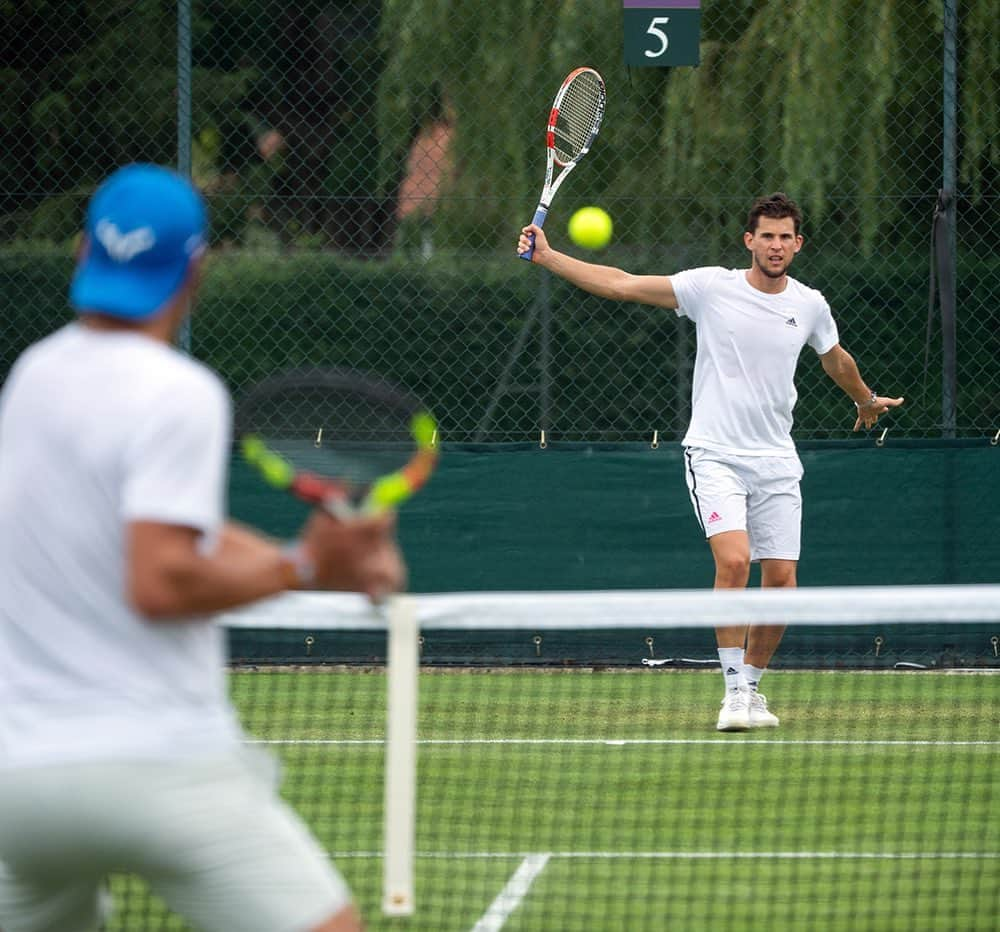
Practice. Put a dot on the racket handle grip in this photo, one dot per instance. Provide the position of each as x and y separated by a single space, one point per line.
538 220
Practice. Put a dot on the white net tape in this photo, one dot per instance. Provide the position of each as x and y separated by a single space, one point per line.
604 609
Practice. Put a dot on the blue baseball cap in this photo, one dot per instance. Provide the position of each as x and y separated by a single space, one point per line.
144 225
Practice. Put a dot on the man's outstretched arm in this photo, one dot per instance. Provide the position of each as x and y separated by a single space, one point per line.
602 280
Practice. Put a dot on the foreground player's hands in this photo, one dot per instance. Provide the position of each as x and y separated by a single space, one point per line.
524 241
870 411
355 554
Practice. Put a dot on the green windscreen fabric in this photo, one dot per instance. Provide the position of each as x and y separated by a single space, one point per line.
577 517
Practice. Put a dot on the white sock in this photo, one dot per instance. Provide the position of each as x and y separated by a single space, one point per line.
731 659
752 675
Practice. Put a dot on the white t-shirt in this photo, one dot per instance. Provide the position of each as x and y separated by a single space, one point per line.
748 346
98 429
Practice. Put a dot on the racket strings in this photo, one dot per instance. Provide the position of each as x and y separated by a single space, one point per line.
319 431
330 422
579 116
334 411
352 437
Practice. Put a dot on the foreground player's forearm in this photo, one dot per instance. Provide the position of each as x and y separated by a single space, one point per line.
169 578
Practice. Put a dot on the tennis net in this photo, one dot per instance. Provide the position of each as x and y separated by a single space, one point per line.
558 789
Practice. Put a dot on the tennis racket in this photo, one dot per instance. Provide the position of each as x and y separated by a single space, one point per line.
343 440
574 121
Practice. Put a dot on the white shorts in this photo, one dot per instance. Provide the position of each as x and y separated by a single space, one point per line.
756 494
211 837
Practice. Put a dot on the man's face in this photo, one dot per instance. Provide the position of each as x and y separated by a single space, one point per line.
773 245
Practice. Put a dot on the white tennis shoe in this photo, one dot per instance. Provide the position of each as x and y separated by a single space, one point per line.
760 717
735 712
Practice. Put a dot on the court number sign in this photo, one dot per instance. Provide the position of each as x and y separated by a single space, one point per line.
662 33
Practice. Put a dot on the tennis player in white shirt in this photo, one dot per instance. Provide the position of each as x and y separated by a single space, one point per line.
119 749
741 465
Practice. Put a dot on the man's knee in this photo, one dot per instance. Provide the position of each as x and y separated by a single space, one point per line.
732 566
778 574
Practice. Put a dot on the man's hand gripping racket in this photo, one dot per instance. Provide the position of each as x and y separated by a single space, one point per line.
574 122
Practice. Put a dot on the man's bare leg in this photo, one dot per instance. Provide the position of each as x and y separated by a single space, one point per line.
731 552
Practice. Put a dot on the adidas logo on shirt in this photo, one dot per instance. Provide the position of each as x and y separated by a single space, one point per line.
791 322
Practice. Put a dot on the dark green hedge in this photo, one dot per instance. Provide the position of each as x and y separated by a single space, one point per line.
447 328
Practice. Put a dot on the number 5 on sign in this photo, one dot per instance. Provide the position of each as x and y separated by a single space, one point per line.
655 30
661 33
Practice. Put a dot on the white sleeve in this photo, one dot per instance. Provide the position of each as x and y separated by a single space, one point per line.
176 465
691 287
824 336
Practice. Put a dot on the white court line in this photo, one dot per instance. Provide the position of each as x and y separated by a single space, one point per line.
619 742
509 898
685 856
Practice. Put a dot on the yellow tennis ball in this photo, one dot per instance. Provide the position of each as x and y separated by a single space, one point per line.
590 227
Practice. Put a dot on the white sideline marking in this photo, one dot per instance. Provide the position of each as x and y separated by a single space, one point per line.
687 856
509 898
619 742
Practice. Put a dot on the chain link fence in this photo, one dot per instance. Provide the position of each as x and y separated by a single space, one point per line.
369 164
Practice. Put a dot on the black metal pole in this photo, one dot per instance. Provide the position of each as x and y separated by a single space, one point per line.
184 119
946 239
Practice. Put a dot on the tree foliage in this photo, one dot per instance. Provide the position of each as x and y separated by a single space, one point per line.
839 101
89 86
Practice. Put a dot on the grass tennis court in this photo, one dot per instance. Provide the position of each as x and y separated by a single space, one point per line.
572 799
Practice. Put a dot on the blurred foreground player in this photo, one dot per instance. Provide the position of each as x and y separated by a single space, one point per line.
119 749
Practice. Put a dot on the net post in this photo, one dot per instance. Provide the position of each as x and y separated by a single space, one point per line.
401 757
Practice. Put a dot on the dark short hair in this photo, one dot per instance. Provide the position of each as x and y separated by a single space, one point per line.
777 206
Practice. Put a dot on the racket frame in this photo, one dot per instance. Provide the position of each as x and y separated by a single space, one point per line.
335 496
551 158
